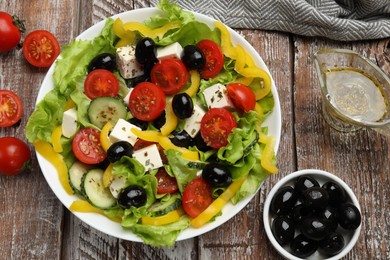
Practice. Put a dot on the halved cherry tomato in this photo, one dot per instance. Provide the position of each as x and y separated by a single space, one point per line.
241 96
197 197
101 83
11 108
214 59
41 48
147 101
14 156
86 146
170 75
215 127
139 144
165 182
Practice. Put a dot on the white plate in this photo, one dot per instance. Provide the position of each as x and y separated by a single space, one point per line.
102 223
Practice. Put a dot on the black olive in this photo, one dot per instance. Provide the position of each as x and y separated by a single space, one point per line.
105 61
145 52
104 164
332 245
118 150
283 229
193 58
336 193
330 215
217 175
348 216
283 201
315 228
316 198
160 120
303 247
298 213
132 195
304 182
182 139
131 83
182 105
201 144
137 122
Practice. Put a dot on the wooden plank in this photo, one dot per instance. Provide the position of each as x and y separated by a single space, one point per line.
31 216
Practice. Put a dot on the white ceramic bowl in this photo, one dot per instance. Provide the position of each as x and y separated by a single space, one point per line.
350 237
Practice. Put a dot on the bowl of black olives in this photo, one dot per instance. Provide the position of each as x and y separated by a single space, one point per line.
312 214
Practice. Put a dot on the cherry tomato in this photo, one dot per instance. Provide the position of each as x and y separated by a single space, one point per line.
14 156
41 48
11 108
101 83
147 101
165 182
197 197
170 75
11 29
215 127
241 96
86 146
214 58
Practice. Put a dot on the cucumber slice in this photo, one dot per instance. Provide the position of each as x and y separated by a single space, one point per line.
161 208
95 192
76 174
106 109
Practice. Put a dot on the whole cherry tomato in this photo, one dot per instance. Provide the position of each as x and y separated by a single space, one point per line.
11 29
15 156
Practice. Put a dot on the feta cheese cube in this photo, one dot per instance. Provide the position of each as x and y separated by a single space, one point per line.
118 183
216 97
127 64
149 157
127 97
192 124
171 51
122 132
69 122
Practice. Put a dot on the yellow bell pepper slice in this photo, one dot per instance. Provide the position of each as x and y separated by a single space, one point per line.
69 104
56 139
226 43
259 110
148 135
47 151
255 72
240 59
104 138
85 207
171 120
107 176
152 33
170 217
217 205
195 83
126 37
244 80
268 153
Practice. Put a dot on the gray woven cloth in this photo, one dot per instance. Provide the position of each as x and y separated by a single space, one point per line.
344 20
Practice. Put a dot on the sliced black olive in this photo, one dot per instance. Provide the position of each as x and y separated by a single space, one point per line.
145 51
193 58
160 120
201 144
182 139
118 150
182 105
217 175
348 216
315 228
330 215
283 229
336 193
137 122
303 247
316 198
105 61
304 182
298 213
132 195
283 201
332 245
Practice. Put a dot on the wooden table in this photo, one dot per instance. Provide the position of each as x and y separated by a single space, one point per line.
35 225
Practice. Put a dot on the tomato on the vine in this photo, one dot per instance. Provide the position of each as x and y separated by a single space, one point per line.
214 58
197 196
242 96
11 108
41 48
86 146
11 29
14 156
101 83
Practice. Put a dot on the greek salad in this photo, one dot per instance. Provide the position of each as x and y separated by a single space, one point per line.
157 125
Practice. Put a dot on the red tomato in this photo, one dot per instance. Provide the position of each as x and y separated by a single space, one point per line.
215 127
41 48
165 182
101 83
241 96
11 29
147 101
170 75
14 156
11 108
197 197
214 58
86 146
